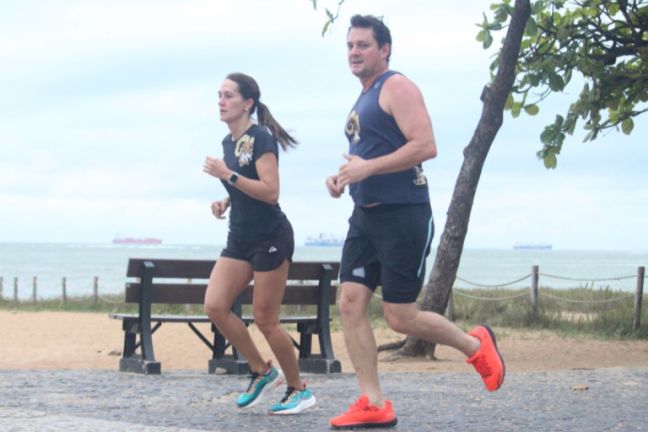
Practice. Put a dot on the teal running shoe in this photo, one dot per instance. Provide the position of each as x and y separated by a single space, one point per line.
293 402
259 386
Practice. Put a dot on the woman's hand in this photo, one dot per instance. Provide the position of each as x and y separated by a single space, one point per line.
218 208
216 167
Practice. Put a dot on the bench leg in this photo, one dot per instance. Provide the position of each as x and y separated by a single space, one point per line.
324 362
221 362
305 344
138 365
326 346
130 361
317 364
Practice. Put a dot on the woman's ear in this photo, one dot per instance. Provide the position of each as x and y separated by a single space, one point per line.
249 103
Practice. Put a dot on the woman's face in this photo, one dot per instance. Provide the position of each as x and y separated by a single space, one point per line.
232 106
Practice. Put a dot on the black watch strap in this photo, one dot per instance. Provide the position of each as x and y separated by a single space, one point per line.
233 178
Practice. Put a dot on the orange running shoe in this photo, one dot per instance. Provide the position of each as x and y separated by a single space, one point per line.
487 360
362 414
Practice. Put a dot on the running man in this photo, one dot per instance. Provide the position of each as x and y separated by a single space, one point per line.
390 135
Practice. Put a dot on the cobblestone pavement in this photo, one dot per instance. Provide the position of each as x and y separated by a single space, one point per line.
176 401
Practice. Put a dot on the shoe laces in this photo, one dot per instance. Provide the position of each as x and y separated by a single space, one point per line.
254 376
362 404
289 392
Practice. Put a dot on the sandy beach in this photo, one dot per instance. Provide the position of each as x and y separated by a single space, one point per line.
67 340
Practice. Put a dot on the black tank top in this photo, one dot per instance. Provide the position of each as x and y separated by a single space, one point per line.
373 133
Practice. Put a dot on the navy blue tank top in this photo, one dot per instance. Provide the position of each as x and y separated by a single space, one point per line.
373 133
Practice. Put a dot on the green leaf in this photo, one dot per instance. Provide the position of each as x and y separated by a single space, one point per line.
509 102
488 39
515 109
570 124
501 15
314 4
556 82
550 160
480 36
531 109
547 135
326 25
627 125
531 28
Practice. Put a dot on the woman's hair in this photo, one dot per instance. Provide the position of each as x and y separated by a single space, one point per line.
249 89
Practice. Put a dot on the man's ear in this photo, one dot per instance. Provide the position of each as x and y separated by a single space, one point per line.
386 50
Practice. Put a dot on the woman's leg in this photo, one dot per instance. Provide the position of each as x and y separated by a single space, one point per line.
269 287
227 280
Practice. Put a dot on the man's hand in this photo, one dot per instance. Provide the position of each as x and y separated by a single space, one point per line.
332 185
355 170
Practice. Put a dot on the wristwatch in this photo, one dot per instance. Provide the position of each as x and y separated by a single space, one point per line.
232 178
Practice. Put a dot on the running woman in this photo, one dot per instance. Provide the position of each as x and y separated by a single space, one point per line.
260 243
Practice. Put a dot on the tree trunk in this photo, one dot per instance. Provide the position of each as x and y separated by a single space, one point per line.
451 244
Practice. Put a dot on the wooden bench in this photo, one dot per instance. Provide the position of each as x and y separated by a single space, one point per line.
167 281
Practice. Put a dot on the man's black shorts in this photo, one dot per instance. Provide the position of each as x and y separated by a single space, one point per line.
264 255
387 245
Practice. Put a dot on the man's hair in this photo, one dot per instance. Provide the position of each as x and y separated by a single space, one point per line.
380 30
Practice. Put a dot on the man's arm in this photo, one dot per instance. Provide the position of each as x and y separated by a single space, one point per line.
402 99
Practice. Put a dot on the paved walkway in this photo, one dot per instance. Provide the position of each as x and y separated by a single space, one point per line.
93 400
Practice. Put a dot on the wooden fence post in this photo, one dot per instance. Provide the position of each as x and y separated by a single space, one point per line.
534 290
64 289
15 290
636 322
95 289
449 312
34 289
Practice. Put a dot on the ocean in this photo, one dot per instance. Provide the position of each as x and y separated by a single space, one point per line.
80 264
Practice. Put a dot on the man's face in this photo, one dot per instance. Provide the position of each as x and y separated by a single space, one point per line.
365 58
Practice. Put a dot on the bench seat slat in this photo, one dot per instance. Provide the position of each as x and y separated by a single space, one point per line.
185 293
201 269
289 319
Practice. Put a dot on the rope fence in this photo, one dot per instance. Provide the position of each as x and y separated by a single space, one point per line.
535 292
65 298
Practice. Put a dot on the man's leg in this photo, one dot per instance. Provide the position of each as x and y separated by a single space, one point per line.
370 409
478 345
407 319
359 338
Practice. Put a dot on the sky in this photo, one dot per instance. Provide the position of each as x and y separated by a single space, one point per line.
109 109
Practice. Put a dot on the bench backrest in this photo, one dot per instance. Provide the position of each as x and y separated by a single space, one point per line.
174 281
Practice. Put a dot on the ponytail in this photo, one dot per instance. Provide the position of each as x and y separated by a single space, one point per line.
265 119
249 89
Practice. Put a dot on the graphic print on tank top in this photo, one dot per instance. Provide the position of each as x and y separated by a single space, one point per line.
373 133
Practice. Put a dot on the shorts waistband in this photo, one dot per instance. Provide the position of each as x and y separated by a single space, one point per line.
383 208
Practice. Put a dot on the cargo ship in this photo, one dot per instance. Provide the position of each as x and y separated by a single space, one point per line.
137 241
324 240
541 246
